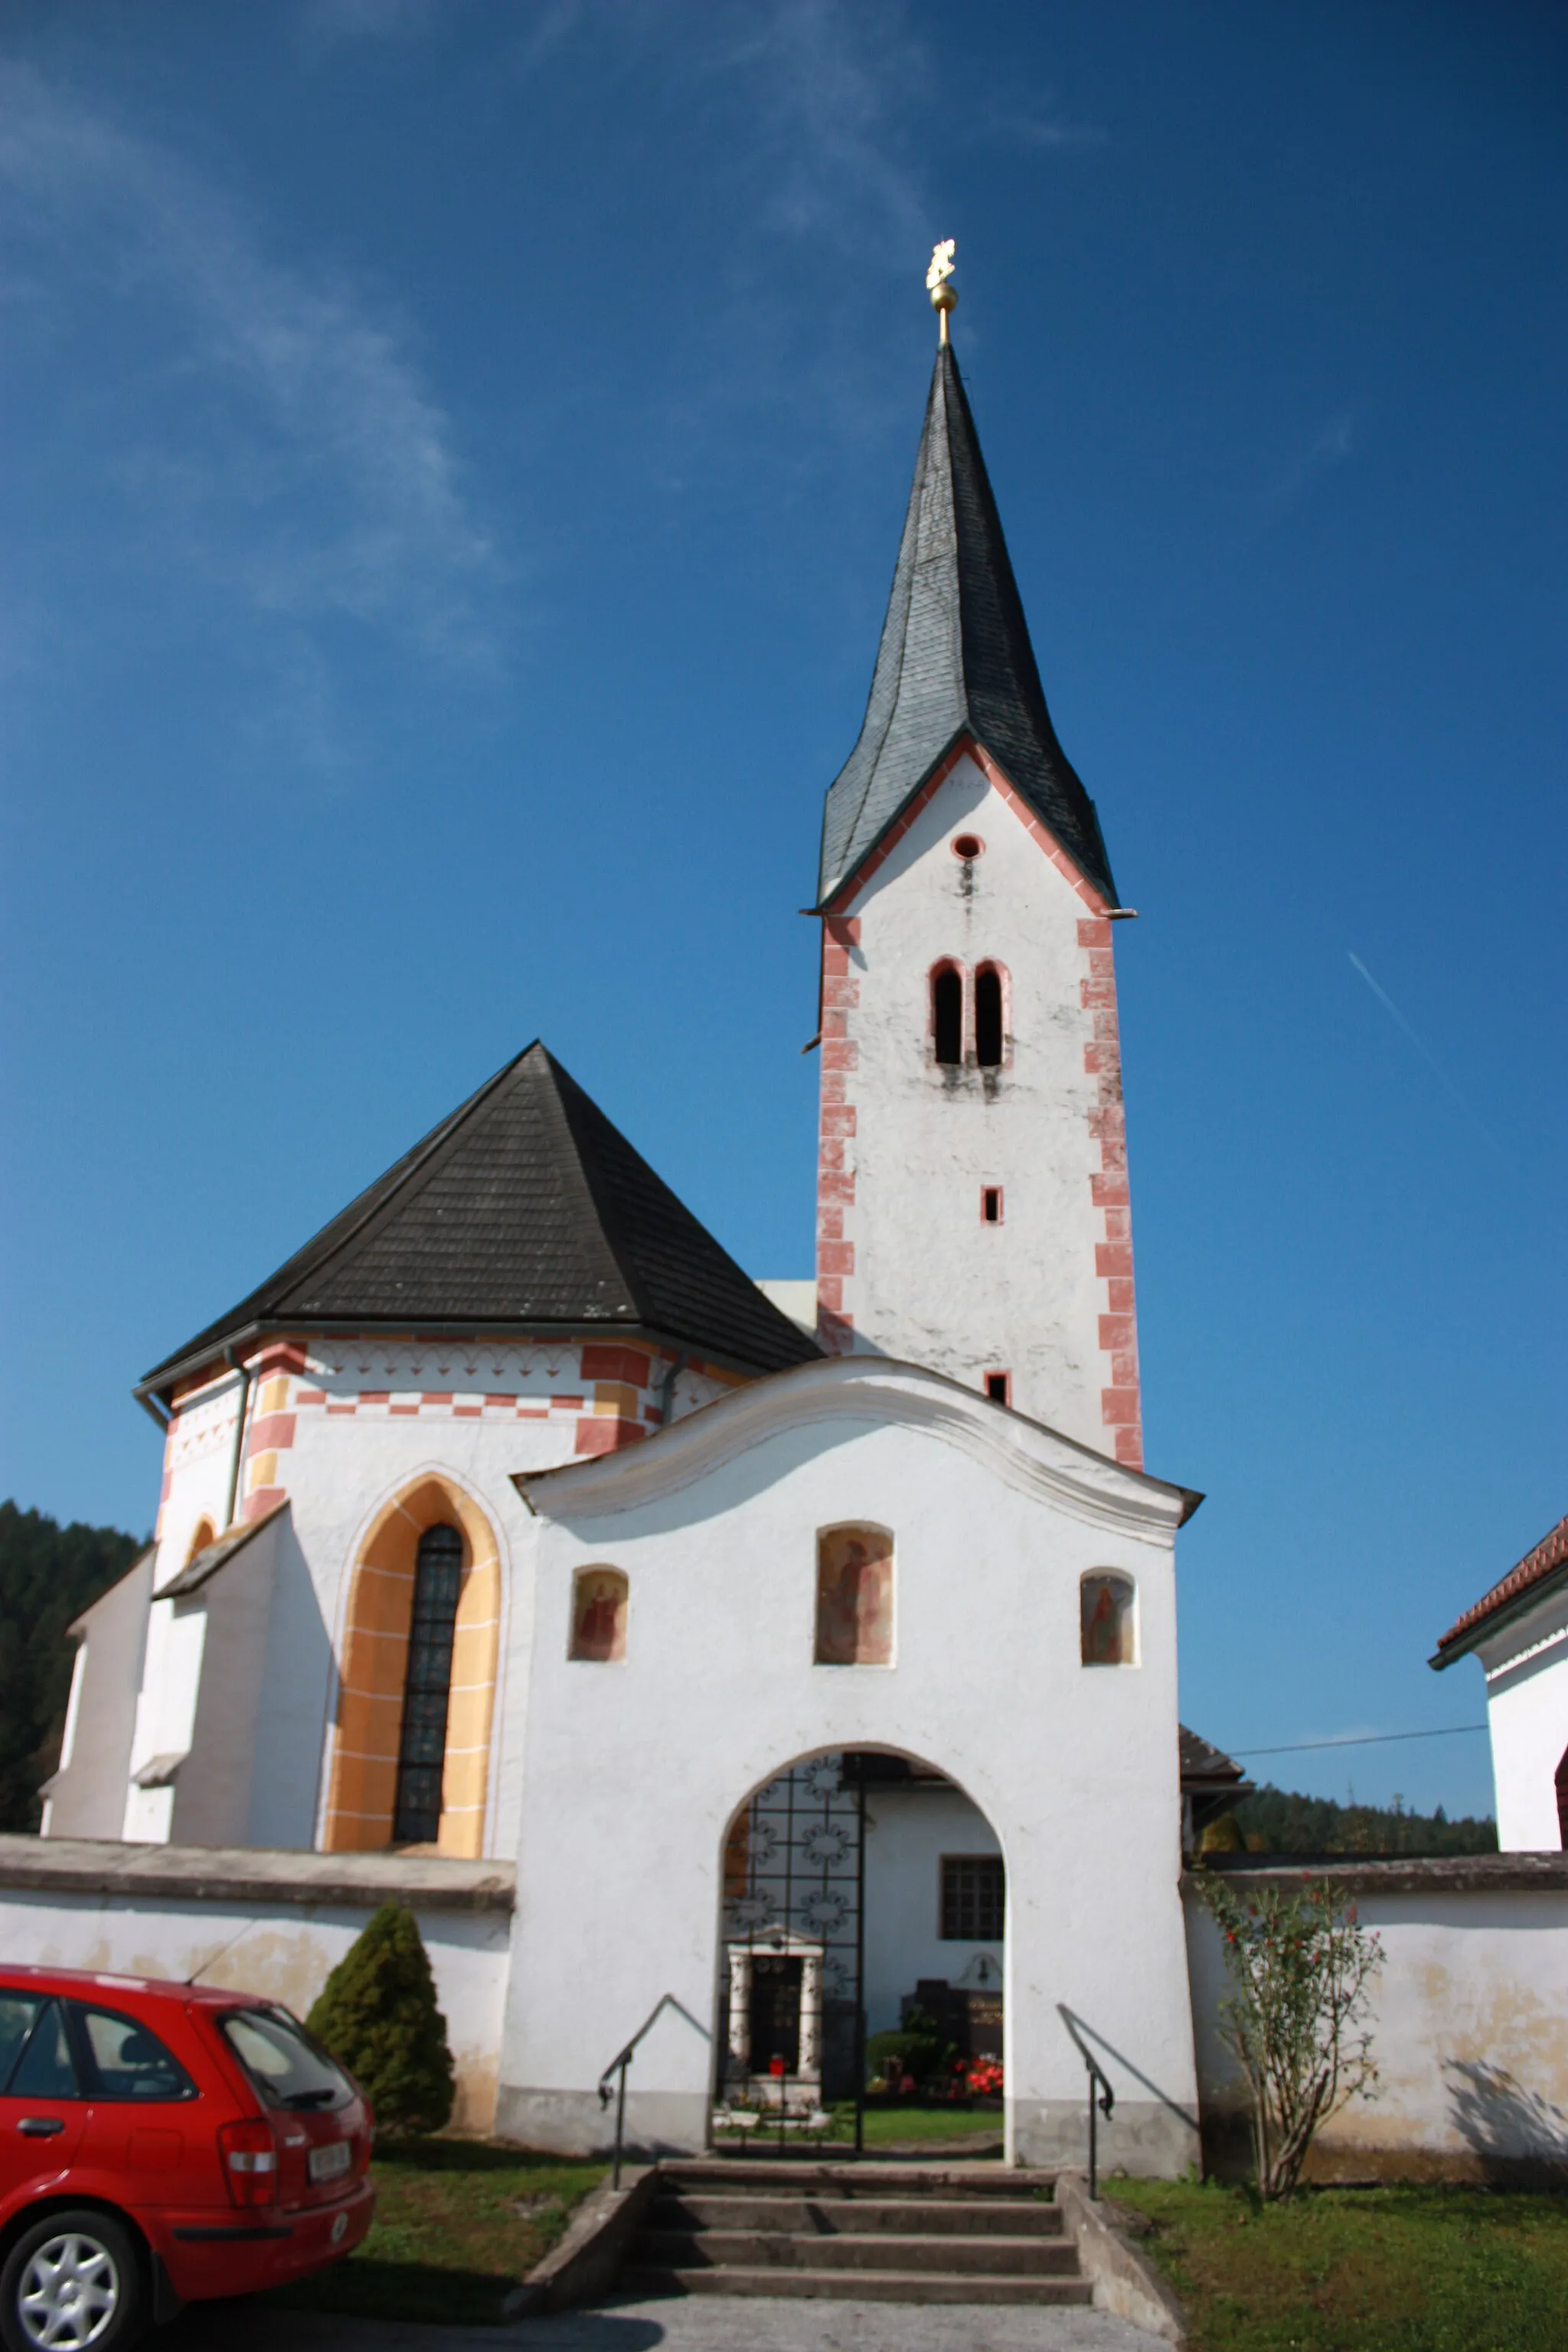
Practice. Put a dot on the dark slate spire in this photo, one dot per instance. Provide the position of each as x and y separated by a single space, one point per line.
955 659
525 1207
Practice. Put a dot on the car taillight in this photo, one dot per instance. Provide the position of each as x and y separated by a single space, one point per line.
249 2156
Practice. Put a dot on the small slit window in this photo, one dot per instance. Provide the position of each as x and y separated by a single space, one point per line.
991 1204
1108 1623
999 1387
974 1899
988 1017
947 1014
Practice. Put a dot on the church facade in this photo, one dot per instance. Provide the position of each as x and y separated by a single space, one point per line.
811 1664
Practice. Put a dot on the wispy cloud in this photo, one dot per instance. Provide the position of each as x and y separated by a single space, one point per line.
328 24
1041 123
1328 446
1433 1064
283 439
837 89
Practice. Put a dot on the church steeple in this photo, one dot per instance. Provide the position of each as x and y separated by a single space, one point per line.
954 660
973 1206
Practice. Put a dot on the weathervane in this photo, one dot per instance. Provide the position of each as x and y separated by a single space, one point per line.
944 295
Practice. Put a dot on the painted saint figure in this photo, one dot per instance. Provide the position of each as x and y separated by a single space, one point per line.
854 1597
1106 1604
599 1620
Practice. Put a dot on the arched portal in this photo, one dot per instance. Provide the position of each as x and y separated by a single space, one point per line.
862 1955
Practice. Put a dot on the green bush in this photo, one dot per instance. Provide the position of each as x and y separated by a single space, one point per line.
920 2054
376 2013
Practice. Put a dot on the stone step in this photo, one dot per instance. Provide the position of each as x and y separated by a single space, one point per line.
746 2250
859 2287
770 2209
742 2175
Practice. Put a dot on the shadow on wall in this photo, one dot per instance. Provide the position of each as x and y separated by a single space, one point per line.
1519 2137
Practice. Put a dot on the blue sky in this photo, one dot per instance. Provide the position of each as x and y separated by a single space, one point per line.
456 460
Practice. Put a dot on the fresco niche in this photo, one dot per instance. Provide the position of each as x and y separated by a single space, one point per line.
1106 1621
599 1616
854 1597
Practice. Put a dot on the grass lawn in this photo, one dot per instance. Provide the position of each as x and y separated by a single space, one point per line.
456 2224
885 2127
1361 2270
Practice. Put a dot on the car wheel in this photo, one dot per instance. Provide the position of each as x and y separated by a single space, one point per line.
71 2282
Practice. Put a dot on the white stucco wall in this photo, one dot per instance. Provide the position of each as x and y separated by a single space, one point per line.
1526 1669
908 1831
932 1283
87 1793
633 1772
276 1951
1469 2025
246 1669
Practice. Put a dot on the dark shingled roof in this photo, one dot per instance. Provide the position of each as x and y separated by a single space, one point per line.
524 1207
955 659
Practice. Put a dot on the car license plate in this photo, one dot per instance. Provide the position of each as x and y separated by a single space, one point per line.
329 2163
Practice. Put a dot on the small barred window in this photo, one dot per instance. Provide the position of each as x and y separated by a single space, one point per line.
974 1899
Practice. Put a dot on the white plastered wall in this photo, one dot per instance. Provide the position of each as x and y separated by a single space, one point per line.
908 1831
275 1952
259 1644
86 1794
932 1283
1469 2027
1527 1710
633 1772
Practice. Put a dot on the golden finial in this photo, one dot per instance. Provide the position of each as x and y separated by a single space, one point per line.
943 295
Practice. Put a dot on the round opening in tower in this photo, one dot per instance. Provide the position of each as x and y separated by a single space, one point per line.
967 845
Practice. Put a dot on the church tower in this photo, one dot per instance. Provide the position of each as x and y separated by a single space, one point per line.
973 1209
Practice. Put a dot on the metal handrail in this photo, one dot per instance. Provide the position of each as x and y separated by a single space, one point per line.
1103 2105
622 2059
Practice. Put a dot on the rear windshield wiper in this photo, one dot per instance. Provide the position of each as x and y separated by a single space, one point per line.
299 2099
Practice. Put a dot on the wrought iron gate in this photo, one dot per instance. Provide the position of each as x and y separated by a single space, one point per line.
792 2009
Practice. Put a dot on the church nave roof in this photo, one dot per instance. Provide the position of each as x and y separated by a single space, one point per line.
524 1207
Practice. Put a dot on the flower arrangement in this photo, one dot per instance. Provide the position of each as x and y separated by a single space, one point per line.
977 2078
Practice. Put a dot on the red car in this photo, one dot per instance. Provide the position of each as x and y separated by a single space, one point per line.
160 2143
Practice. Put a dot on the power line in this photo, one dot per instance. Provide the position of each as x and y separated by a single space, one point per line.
1364 1740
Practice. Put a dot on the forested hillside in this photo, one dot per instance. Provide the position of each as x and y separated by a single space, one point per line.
1273 1821
48 1574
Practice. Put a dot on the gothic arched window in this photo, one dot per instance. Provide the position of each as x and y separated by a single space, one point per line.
1108 1627
947 1013
988 1017
438 1576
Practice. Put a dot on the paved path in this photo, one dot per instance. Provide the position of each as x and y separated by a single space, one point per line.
700 2323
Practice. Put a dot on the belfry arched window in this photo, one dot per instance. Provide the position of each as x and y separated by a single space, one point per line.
947 1013
426 1691
988 1030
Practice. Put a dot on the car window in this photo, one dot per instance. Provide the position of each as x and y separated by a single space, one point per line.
286 2067
45 2068
17 2010
127 2062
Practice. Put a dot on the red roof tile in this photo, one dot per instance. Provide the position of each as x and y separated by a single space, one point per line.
1551 1552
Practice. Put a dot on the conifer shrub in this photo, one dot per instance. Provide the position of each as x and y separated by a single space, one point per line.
377 2015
